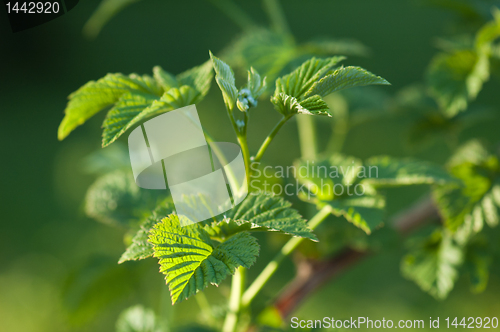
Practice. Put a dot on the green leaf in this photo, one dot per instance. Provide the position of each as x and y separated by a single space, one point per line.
399 172
297 83
224 77
138 319
365 212
455 79
94 96
255 84
433 264
321 175
140 248
465 209
266 212
343 78
164 78
132 109
191 261
199 78
288 105
115 198
247 96
334 181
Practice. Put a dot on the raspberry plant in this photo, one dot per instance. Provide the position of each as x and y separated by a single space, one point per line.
298 79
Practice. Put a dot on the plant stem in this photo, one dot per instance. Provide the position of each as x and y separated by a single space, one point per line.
276 15
307 136
238 283
202 301
287 249
235 13
269 138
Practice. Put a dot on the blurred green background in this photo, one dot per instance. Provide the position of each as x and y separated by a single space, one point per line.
58 268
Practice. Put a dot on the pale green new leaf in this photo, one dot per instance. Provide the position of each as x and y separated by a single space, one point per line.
140 248
265 212
343 78
191 261
164 78
298 82
132 109
365 212
288 105
199 78
96 95
224 77
388 171
138 319
433 264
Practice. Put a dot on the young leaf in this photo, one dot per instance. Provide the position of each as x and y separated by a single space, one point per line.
132 109
247 97
164 78
224 77
199 78
433 264
365 212
94 96
191 261
288 105
455 79
465 209
138 319
399 172
140 248
298 82
269 213
343 78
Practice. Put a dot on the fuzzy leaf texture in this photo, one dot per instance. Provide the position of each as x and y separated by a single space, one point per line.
343 78
96 95
185 89
433 265
298 82
265 212
224 77
191 261
288 105
140 248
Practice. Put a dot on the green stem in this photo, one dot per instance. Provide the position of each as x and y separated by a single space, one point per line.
307 136
235 13
276 15
202 301
269 138
238 283
287 249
